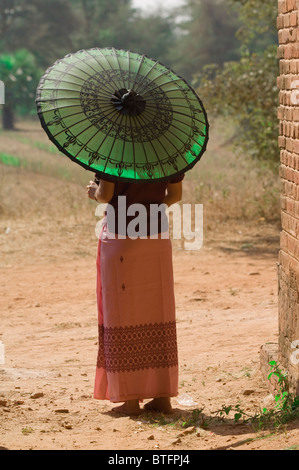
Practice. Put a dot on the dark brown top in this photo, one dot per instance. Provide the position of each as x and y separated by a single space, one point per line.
147 194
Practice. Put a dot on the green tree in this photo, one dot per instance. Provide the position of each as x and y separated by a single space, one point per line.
154 36
101 23
53 28
50 29
115 23
20 74
246 90
258 24
207 35
42 27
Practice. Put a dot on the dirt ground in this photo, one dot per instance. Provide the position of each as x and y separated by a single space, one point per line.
226 298
226 302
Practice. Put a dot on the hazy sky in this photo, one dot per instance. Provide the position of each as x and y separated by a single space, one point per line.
145 4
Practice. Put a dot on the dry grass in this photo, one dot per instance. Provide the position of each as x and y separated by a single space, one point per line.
233 187
48 185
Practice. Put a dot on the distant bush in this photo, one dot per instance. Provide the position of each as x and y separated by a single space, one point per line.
247 92
246 89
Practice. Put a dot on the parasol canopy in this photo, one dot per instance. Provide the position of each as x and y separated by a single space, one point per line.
122 115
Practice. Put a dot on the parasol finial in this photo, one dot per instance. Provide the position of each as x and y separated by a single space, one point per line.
128 102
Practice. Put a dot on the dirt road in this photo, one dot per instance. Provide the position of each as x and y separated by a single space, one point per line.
226 297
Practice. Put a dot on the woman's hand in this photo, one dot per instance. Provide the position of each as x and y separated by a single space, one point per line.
91 189
100 193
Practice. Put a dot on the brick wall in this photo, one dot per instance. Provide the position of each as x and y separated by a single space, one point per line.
288 115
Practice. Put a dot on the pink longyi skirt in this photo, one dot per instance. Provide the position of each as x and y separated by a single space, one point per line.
137 356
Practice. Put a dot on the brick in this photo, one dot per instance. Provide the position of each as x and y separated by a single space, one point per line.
284 36
288 262
280 113
281 141
280 82
293 69
283 206
288 51
292 160
292 36
289 224
293 17
289 144
289 189
290 206
283 157
281 52
282 98
293 250
289 112
289 81
296 131
285 66
280 21
286 20
291 5
282 6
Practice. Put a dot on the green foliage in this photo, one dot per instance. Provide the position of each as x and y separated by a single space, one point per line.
207 35
283 399
114 23
286 408
154 36
9 160
51 29
101 23
246 89
258 24
20 74
194 419
42 27
35 33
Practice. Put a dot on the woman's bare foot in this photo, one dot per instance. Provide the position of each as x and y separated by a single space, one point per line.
130 407
159 404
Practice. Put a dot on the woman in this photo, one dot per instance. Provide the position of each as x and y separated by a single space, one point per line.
137 356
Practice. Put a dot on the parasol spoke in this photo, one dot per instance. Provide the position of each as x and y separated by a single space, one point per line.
142 59
125 84
76 123
116 84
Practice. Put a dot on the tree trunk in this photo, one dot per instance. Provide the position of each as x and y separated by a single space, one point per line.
7 118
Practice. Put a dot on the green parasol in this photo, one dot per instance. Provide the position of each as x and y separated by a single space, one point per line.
123 115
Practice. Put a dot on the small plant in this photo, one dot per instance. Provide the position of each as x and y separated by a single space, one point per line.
286 408
238 413
26 431
194 419
282 398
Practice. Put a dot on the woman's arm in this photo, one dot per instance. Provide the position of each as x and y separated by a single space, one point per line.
174 193
102 192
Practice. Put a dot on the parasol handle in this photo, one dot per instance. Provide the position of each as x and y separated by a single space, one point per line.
97 178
